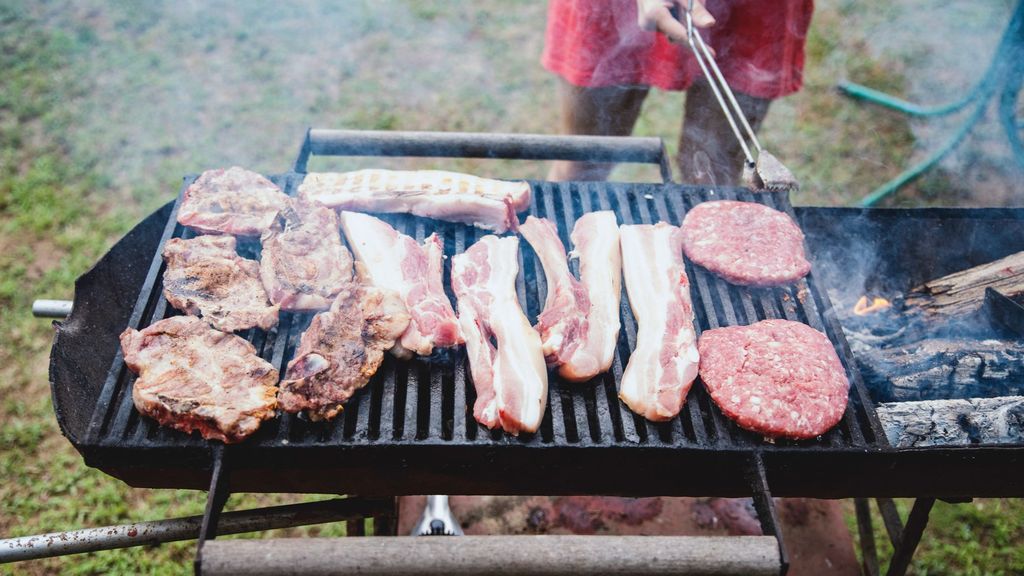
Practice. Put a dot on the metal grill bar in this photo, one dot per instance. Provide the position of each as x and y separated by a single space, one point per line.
428 402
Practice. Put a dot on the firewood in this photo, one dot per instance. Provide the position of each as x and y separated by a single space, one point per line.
963 292
953 422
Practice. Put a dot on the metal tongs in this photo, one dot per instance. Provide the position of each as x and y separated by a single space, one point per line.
764 172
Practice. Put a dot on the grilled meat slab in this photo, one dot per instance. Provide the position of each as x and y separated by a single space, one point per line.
192 377
664 363
488 204
511 379
233 201
395 262
206 277
304 265
342 349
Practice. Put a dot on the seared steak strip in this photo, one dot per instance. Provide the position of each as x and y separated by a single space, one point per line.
304 265
206 277
192 377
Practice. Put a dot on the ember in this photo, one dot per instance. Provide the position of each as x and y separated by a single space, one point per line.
863 308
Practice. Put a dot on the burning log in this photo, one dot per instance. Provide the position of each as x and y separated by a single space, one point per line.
963 292
945 368
954 422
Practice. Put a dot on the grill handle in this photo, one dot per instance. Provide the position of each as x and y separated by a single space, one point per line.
51 308
323 142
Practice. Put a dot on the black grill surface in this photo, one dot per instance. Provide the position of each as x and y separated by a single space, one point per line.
411 430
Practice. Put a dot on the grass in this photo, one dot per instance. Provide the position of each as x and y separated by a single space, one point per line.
104 106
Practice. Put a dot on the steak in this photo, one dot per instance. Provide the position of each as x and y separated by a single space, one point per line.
195 378
777 377
341 350
488 204
206 277
233 201
745 243
303 264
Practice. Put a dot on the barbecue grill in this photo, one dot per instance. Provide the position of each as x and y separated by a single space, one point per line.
411 430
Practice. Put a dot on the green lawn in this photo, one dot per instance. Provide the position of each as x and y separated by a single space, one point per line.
104 106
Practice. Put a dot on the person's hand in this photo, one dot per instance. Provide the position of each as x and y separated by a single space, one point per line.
656 15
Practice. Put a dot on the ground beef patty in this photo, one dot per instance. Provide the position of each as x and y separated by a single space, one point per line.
745 243
778 378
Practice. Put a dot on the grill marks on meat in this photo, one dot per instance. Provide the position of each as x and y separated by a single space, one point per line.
509 373
664 363
746 243
192 377
488 204
233 201
206 277
579 323
776 377
395 262
304 265
341 350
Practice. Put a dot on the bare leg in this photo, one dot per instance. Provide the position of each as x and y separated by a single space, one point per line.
605 111
708 151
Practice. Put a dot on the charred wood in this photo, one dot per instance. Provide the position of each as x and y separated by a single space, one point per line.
940 368
954 422
964 292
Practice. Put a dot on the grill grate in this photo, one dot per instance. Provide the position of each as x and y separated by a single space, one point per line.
428 402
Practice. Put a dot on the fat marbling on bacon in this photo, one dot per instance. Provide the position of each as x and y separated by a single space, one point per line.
394 261
303 264
342 349
580 321
206 277
664 363
192 377
451 196
233 201
510 378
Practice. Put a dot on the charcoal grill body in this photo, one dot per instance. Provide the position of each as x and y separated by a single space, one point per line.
411 431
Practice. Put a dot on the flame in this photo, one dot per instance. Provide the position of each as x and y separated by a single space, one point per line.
862 308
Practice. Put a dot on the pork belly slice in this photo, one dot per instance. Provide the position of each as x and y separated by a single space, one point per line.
195 378
233 201
206 277
304 265
488 204
342 349
394 261
664 363
509 374
579 323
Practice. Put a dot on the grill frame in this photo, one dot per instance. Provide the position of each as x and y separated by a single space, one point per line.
431 430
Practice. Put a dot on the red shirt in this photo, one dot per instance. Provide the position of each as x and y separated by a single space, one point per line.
759 46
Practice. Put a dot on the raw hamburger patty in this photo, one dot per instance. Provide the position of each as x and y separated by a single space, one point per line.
777 377
745 243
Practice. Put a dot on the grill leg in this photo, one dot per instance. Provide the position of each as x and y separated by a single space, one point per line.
216 498
765 508
867 536
911 536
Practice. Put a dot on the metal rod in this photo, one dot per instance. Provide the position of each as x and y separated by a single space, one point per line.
916 523
186 528
51 308
758 479
216 498
891 520
868 552
474 145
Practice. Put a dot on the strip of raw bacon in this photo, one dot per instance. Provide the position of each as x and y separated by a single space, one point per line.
580 322
664 364
511 380
488 204
394 261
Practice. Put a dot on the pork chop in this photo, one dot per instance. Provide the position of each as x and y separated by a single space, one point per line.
233 201
192 377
